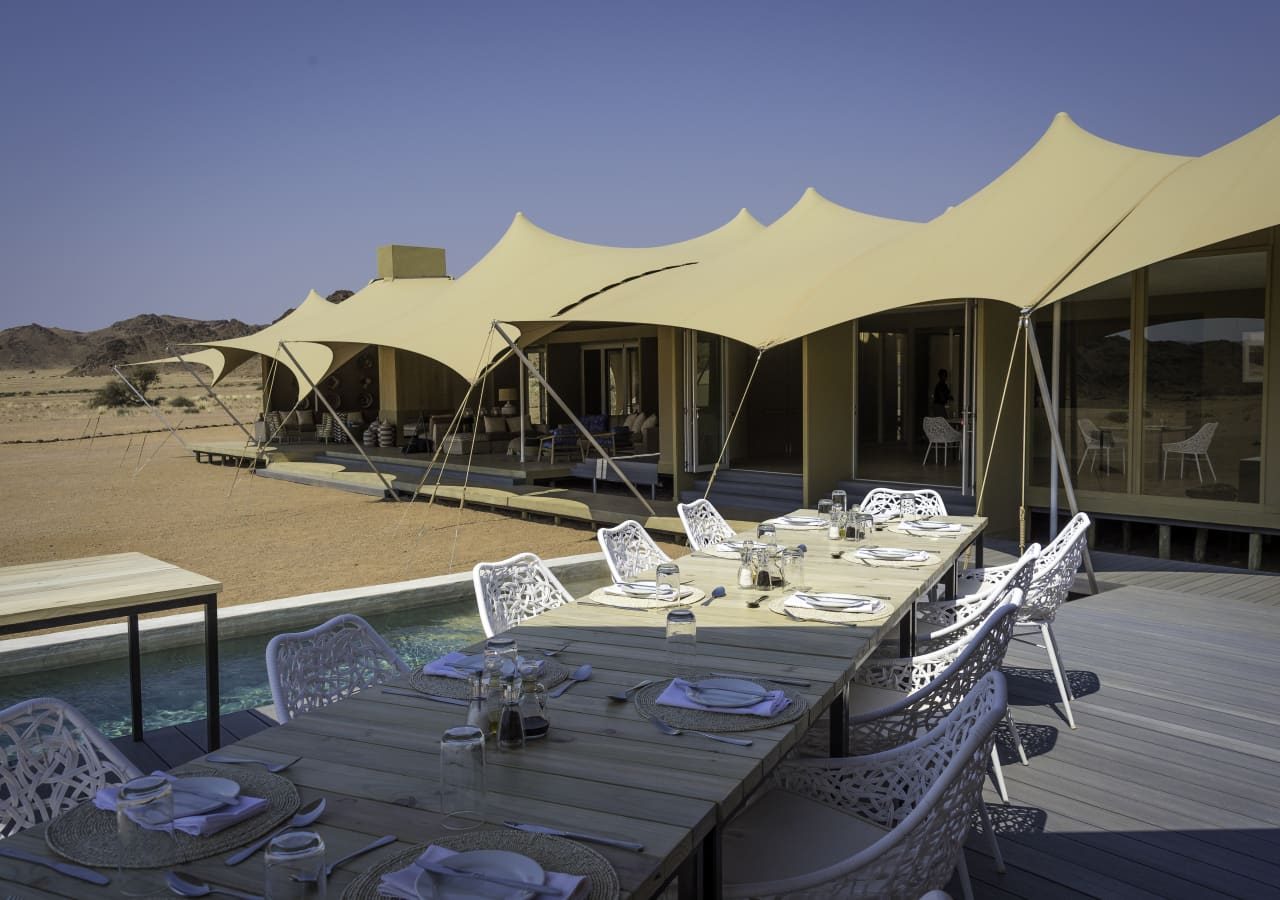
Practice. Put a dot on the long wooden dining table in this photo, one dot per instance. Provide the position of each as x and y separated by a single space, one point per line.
603 768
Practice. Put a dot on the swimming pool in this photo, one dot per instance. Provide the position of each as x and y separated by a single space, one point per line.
173 680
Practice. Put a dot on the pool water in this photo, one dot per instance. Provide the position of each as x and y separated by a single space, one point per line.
173 680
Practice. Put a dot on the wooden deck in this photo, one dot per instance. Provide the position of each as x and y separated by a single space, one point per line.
1169 786
172 746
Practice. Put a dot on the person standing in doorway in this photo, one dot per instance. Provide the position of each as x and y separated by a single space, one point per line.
941 395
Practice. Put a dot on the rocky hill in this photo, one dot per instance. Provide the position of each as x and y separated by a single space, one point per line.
94 352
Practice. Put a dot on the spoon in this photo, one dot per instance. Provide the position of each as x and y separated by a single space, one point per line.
582 673
624 696
367 848
671 729
186 886
303 818
715 592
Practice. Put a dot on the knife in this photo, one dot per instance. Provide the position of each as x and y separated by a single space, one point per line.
62 868
421 696
577 836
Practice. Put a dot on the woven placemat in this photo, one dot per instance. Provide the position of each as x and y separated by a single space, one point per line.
829 616
552 674
600 598
646 700
87 835
552 853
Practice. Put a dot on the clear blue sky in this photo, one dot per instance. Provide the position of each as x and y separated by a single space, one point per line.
219 159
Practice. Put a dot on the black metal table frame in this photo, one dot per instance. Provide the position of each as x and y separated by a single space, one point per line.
131 611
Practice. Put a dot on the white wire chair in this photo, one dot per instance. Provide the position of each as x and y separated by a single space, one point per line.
515 589
703 524
629 550
888 825
311 669
1195 446
940 434
1100 445
53 759
1054 573
887 502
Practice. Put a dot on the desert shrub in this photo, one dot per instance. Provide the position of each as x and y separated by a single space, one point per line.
182 403
113 396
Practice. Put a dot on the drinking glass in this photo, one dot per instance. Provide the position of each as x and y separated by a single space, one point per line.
295 866
767 534
501 659
667 584
143 805
824 509
839 501
682 642
792 565
462 790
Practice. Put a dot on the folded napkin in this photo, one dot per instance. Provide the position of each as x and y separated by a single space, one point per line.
198 826
403 882
861 604
451 665
773 703
913 557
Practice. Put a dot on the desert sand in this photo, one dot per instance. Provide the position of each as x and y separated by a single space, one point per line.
263 539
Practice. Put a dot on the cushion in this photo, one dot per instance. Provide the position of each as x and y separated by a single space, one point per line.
495 425
651 422
783 835
633 421
291 418
513 424
306 417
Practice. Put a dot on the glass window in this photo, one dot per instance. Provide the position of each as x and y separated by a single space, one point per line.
1202 422
1093 386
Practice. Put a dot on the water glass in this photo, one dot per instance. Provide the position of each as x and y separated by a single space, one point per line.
462 789
767 534
667 584
824 508
143 805
839 501
682 642
295 867
791 563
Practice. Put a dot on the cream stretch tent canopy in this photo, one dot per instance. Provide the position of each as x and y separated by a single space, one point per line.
527 271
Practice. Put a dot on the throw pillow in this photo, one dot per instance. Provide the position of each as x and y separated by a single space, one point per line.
651 422
495 425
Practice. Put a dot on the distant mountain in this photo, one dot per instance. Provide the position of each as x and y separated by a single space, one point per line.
93 352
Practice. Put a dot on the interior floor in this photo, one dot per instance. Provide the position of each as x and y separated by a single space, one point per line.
903 464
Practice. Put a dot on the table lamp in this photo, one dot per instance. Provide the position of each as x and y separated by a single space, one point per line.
508 396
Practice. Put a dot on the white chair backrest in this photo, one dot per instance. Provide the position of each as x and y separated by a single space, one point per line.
1055 571
1092 437
887 501
1014 583
933 786
311 669
629 550
703 524
939 430
515 589
53 759
1199 442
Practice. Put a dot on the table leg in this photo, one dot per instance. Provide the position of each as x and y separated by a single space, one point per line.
838 714
907 632
710 865
135 677
212 699
977 551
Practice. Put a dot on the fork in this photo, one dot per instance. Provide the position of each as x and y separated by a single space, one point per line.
270 767
624 696
724 738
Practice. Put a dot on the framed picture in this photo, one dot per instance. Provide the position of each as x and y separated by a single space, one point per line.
1252 356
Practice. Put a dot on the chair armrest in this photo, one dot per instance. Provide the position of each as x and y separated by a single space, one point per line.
882 788
906 673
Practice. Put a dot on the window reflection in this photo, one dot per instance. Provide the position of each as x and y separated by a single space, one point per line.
1202 422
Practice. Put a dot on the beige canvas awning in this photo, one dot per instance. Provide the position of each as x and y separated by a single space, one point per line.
1232 191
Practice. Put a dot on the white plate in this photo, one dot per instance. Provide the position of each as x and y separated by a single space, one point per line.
644 589
842 601
198 795
502 863
726 692
807 521
932 526
889 552
730 546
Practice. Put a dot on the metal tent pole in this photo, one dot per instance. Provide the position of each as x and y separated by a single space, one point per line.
524 411
1033 351
576 421
200 381
386 482
1055 363
155 412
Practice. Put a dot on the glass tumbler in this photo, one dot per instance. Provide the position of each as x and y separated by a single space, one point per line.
462 790
682 642
668 581
839 501
824 508
767 534
143 805
295 867
792 566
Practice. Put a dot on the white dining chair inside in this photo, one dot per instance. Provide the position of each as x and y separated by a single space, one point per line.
703 524
1100 445
311 669
941 435
891 824
515 589
53 759
1195 446
629 550
887 502
1051 581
